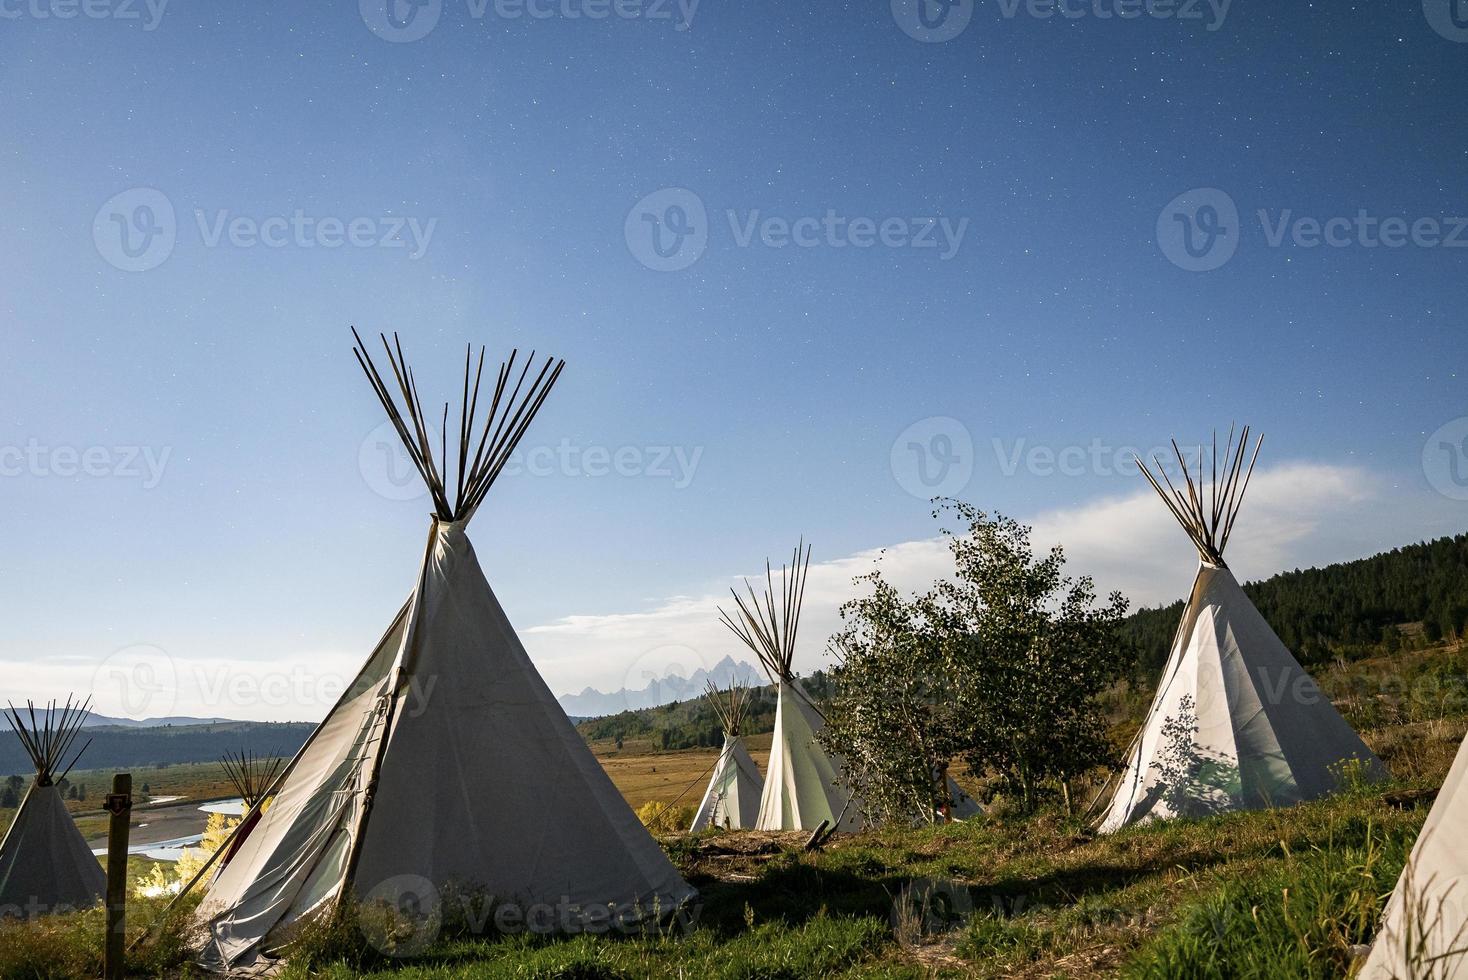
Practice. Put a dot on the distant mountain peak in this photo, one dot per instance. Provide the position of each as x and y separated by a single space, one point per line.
671 687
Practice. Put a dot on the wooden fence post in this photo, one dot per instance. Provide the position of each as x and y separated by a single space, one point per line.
120 805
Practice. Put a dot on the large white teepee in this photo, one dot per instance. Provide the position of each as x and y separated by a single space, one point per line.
45 864
447 760
1236 723
804 784
732 798
1424 932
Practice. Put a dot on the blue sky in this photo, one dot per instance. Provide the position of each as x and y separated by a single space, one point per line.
524 143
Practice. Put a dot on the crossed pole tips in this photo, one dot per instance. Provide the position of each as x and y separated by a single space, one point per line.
767 627
48 739
1207 511
478 465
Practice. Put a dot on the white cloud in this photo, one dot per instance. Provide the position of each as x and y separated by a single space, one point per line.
1131 544
1296 515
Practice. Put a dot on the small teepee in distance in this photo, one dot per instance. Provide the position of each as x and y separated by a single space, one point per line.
1236 723
251 776
804 784
45 864
447 762
733 795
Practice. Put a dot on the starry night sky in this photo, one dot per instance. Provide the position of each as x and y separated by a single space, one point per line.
1059 321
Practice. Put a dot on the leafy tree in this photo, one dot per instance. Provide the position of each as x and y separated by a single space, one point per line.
895 718
9 798
1037 653
999 665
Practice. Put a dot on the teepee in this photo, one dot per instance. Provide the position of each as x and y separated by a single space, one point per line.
804 784
45 864
251 776
1424 932
1236 723
732 798
447 760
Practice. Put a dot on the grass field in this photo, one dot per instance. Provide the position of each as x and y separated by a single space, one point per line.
1287 893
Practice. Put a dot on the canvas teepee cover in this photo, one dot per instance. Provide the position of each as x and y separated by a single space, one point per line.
45 864
448 760
1236 723
1424 932
804 784
732 798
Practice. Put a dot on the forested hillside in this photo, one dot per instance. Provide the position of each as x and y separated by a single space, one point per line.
692 724
137 748
1414 594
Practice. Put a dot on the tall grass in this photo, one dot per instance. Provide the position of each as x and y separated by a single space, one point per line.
70 945
1304 918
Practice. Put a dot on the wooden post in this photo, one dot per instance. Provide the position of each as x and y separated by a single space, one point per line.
119 804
